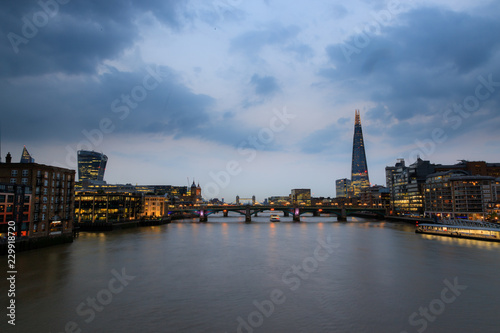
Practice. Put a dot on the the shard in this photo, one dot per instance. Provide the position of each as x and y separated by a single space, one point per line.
359 168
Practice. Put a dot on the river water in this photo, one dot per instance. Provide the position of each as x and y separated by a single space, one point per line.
229 276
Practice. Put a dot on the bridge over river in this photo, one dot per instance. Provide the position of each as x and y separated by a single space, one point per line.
203 212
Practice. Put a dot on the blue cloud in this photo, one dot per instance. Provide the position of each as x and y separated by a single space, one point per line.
264 86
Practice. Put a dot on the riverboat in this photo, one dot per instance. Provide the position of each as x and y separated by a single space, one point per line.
275 218
462 229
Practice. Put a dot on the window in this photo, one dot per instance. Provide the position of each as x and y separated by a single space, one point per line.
13 173
2 208
2 198
10 198
25 173
13 180
24 181
46 175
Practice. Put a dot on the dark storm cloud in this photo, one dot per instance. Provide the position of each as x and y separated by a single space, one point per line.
73 38
264 86
418 69
58 87
70 106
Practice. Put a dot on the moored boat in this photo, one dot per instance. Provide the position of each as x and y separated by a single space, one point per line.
462 229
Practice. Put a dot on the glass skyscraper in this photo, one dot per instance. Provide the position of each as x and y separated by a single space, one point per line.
359 168
91 165
26 157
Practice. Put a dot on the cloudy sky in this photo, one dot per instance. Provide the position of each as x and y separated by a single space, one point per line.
249 97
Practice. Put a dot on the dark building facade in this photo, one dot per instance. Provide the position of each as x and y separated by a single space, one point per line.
359 168
15 205
474 168
91 165
52 196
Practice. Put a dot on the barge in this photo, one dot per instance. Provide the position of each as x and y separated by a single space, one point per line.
462 229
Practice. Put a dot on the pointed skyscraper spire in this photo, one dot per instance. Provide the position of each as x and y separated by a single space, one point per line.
26 157
359 168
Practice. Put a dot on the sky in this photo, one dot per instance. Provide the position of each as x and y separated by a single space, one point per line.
249 97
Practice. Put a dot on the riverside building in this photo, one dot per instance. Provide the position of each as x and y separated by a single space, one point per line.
456 194
51 196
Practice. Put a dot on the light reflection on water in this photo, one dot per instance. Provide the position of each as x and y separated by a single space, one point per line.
202 277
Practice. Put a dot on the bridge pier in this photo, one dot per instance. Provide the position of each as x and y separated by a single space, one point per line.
316 213
248 216
296 215
225 213
286 214
343 215
203 216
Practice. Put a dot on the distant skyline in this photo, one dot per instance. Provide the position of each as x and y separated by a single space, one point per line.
249 97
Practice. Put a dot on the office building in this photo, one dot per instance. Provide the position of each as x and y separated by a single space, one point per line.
91 166
154 206
405 184
110 207
359 167
301 196
457 194
375 196
26 157
343 188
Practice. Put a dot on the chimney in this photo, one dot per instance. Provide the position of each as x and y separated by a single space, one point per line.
8 158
